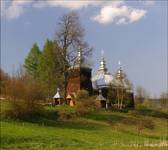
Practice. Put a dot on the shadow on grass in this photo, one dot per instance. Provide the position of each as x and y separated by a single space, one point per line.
105 117
67 124
115 118
150 113
50 118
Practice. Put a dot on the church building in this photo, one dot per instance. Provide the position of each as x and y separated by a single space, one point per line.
120 86
80 78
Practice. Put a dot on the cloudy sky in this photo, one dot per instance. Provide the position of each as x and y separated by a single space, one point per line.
134 32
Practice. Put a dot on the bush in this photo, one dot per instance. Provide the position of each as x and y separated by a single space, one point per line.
85 103
140 107
65 115
21 110
24 93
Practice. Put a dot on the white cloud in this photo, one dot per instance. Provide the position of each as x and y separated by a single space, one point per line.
111 11
14 9
119 14
17 7
74 5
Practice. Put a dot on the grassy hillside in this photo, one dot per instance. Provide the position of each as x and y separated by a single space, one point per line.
104 130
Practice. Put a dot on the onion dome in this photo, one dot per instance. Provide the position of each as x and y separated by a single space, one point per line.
121 79
79 61
102 78
120 74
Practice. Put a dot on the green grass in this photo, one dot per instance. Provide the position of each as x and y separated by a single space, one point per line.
103 130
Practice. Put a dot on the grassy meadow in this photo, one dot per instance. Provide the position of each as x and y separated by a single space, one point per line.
103 130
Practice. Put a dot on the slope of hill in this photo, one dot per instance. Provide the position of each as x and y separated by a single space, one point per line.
104 130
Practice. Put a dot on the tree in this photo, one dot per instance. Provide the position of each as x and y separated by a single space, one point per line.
32 61
70 38
141 94
4 81
164 99
111 95
50 69
25 94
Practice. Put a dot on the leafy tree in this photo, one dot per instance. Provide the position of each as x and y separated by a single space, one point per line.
4 81
32 61
70 38
25 93
141 94
111 95
50 68
164 99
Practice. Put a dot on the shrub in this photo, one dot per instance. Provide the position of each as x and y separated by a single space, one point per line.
24 93
85 103
65 115
140 107
18 109
4 80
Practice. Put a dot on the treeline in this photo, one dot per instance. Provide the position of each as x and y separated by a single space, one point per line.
41 73
144 100
44 66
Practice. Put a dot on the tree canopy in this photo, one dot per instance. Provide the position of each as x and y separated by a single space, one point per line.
50 69
31 63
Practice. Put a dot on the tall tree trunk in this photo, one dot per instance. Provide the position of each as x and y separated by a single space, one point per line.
121 98
118 97
65 85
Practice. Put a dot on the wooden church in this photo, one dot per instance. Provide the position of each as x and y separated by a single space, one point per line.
80 78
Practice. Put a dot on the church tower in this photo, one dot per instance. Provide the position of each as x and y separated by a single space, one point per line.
79 77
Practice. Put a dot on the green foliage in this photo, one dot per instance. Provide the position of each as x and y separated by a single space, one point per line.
50 69
31 63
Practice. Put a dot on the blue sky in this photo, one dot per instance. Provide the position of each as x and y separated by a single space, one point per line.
134 32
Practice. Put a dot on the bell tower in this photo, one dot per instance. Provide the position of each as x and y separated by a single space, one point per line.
79 77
